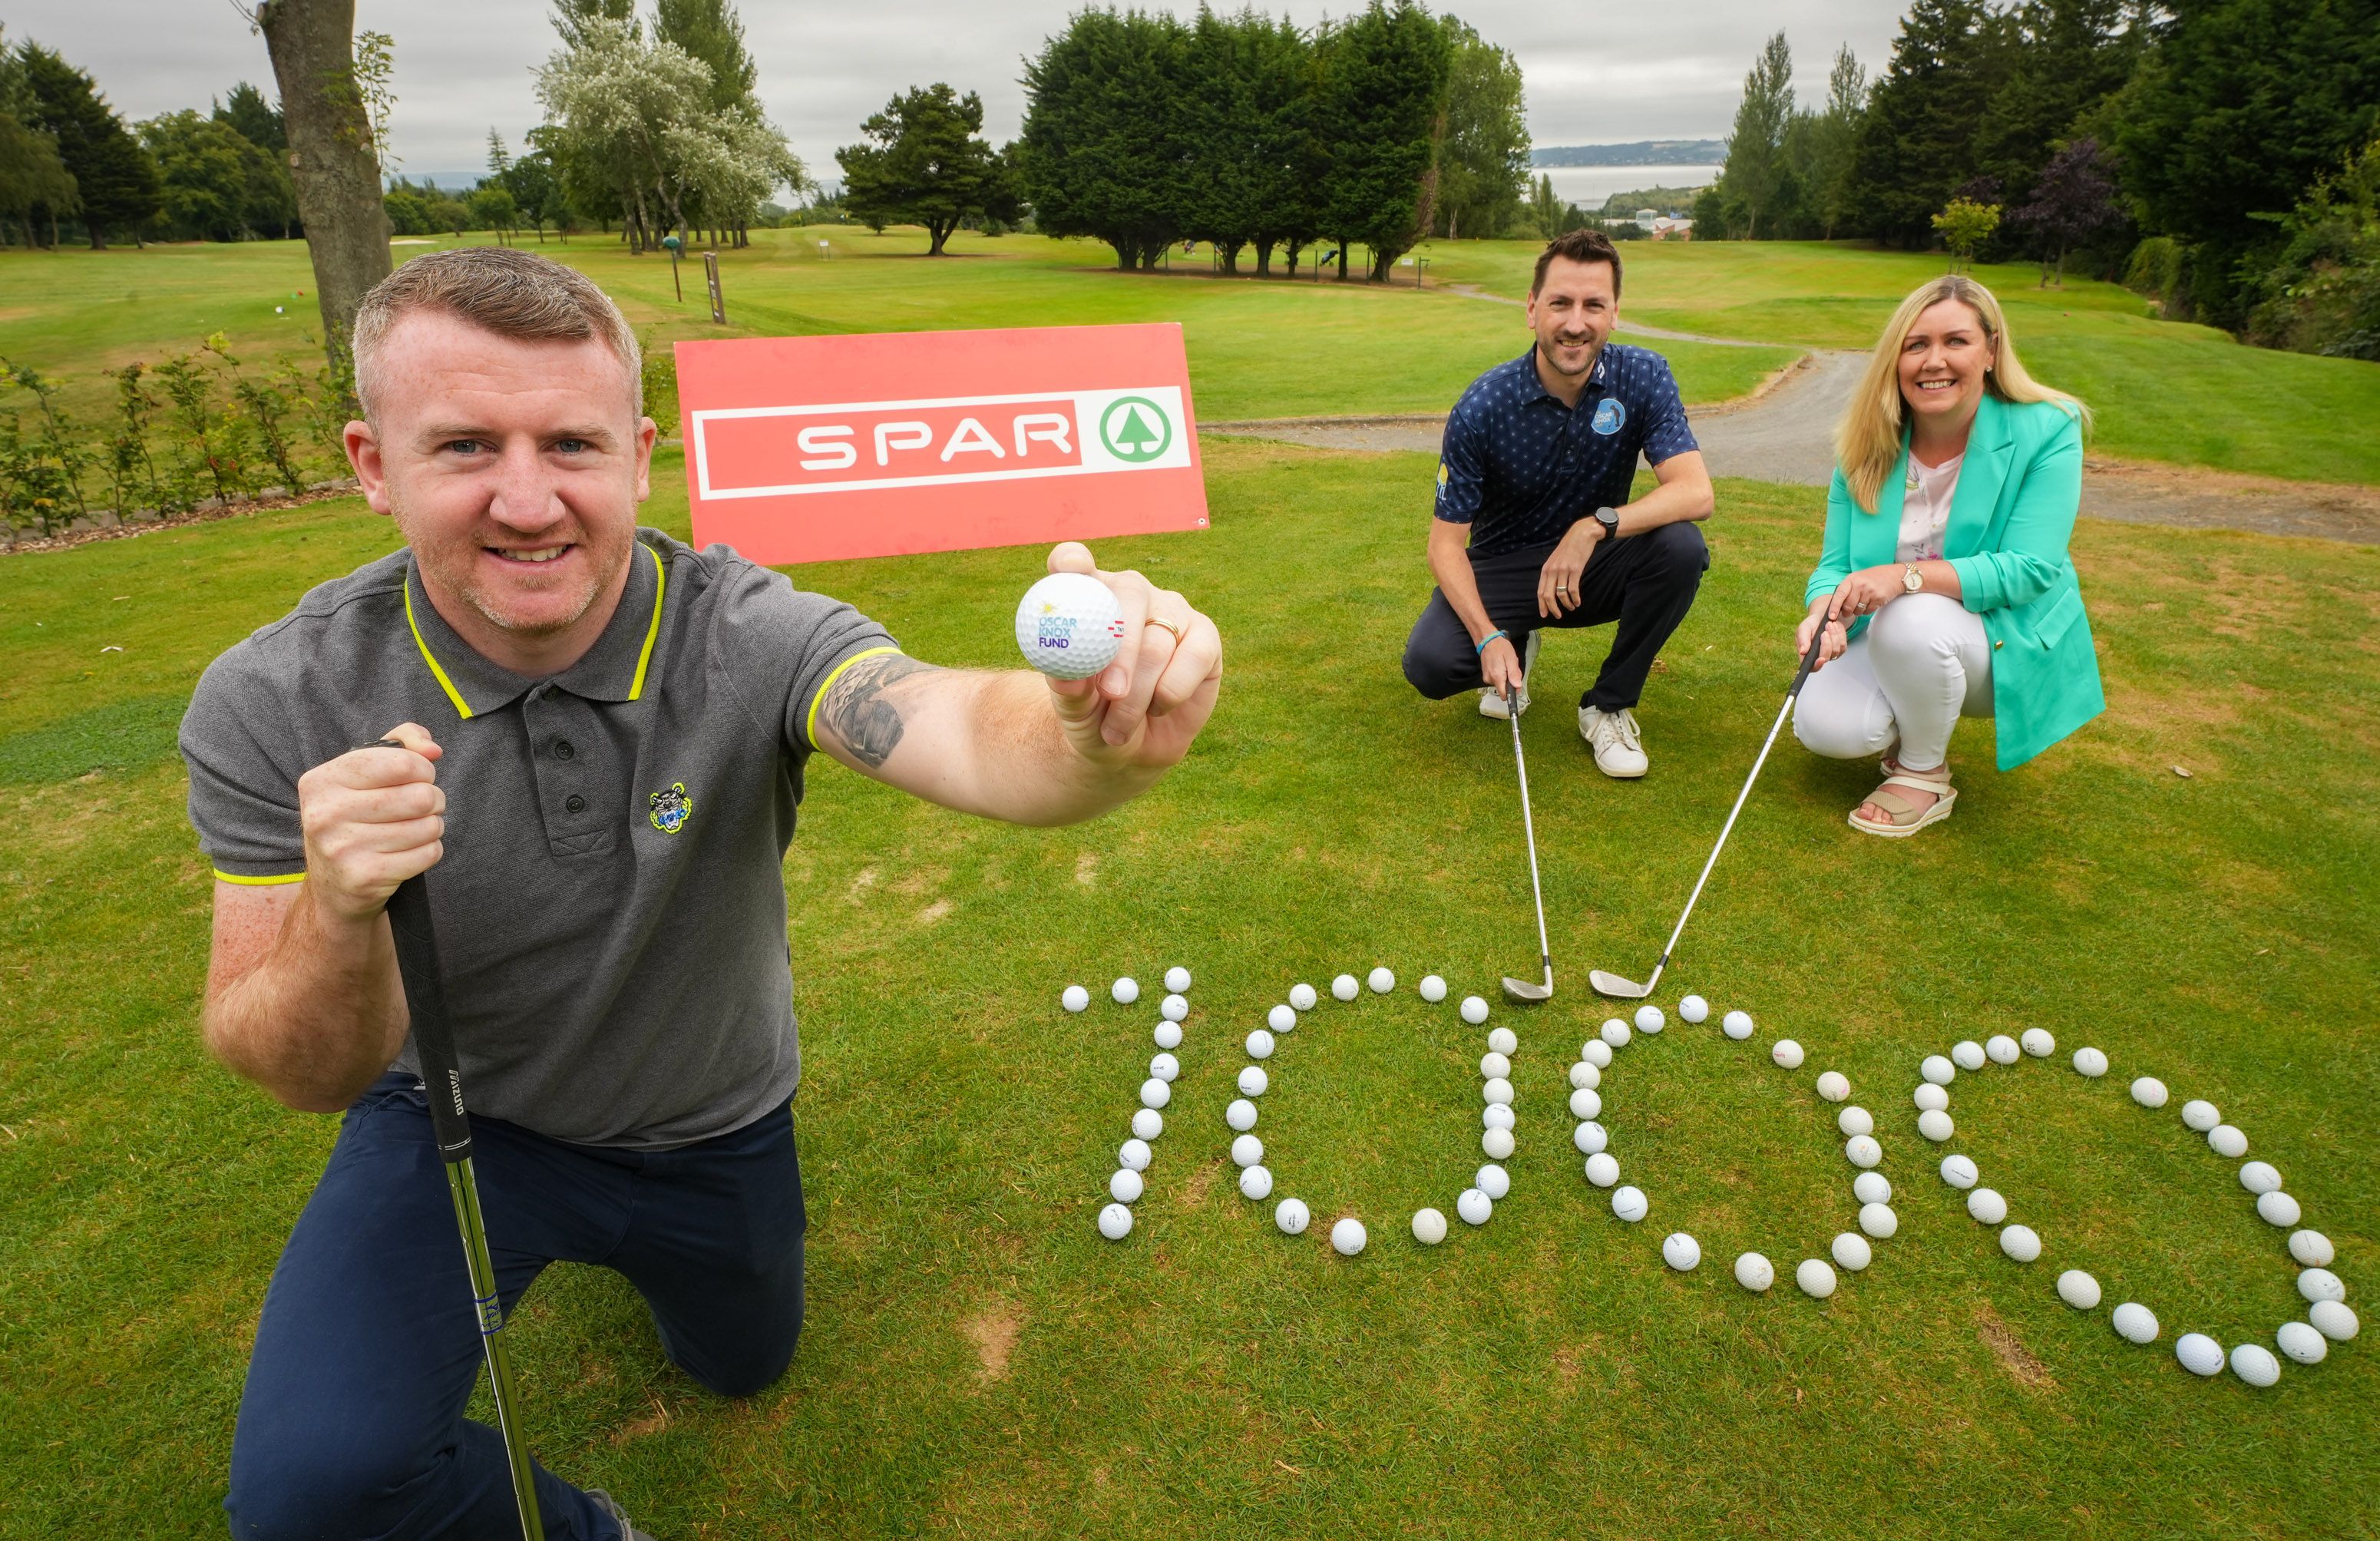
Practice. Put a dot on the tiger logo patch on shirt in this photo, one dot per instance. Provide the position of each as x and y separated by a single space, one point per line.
671 808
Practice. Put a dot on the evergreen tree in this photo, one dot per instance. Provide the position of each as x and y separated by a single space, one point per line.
926 165
712 31
1546 211
1483 157
1284 157
253 118
1754 175
1833 136
2069 56
571 18
1101 149
35 186
1916 146
1384 77
114 178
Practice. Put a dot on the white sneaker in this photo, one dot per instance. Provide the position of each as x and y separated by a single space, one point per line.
1492 705
1613 736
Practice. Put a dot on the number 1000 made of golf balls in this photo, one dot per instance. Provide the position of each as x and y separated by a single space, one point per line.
1068 625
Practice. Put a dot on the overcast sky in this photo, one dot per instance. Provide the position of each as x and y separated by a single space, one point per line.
1596 73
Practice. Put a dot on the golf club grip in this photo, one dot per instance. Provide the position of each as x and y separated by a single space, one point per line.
425 999
1809 657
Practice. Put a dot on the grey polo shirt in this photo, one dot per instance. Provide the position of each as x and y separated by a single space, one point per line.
611 906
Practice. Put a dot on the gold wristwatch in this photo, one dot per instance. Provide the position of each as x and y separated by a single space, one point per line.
1911 579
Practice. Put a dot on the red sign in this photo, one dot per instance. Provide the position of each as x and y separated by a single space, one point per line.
804 449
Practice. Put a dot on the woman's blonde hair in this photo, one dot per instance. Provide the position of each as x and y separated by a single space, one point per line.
1868 441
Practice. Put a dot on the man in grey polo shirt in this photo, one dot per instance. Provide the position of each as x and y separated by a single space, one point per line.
603 735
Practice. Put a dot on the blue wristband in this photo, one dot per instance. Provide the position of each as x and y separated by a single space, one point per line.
1481 651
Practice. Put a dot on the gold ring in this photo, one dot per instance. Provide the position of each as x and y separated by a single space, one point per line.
1159 621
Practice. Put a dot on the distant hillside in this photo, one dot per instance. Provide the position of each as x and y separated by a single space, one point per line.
1642 152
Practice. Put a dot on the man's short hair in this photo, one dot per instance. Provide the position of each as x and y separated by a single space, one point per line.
1578 246
509 292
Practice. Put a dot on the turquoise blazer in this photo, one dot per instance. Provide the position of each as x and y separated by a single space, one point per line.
2010 519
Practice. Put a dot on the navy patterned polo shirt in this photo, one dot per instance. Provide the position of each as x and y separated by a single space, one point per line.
1520 468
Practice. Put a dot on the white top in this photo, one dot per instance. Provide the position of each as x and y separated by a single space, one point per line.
1925 507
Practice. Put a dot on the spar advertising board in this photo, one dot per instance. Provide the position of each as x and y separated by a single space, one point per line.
806 449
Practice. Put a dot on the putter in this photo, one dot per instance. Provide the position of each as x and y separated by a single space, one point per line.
434 1037
1628 990
1522 990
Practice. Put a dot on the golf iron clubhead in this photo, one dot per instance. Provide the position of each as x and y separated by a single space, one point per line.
1522 990
1619 989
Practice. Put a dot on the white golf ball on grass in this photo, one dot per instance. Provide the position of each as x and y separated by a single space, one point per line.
1492 1064
1929 1097
2001 1050
1428 1225
1382 981
2079 1289
1155 1094
1602 1169
2278 1208
1855 1119
1958 1172
1343 988
1134 1155
2317 1284
1816 1280
1149 1123
1177 980
1863 1151
1348 1236
1787 1053
1076 998
1168 1035
1754 1272
2199 1354
2090 1064
1834 1086
1240 1115
1500 1040
2199 1116
1986 1207
1433 988
1935 1126
1586 1103
1255 1183
1967 1054
1291 1216
2038 1042
1649 1018
1596 1052
1591 1138
2020 1243
1681 1251
1629 1204
1164 1066
1259 1045
1475 1011
1496 1115
1247 1151
1497 1090
2259 1177
1737 1025
1282 1019
1124 1186
1694 1008
2134 1323
1493 1181
1879 1221
2254 1364
1617 1032
2303 1343
2149 1092
1852 1251
2226 1141
1115 1222
1871 1187
2312 1249
1937 1070
1302 996
1068 626
1174 1007
1475 1206
1125 991
2333 1318
1497 1144
1252 1080
1584 1075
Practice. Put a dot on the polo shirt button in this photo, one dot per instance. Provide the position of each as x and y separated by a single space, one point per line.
573 803
562 749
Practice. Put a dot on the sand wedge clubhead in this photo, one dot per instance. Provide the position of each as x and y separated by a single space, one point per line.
1528 989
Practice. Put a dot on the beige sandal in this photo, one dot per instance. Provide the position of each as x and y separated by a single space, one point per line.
1903 817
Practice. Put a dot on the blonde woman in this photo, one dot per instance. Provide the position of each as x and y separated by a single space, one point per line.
1944 584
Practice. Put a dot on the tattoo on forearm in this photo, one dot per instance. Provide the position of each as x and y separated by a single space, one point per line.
860 711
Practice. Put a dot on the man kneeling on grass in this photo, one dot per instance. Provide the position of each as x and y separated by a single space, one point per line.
1539 456
602 735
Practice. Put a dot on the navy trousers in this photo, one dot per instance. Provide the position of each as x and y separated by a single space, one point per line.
352 1421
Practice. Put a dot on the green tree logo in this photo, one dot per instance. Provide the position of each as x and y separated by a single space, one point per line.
1135 429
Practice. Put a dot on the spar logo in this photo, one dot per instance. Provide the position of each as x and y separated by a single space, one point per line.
762 452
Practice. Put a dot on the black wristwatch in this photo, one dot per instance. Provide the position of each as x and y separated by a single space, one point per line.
1609 519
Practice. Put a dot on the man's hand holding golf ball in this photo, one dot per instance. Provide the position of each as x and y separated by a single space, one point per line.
1138 707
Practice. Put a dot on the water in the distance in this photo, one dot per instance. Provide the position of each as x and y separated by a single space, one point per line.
1588 185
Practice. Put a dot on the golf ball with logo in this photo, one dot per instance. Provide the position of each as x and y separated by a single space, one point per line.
2199 1354
1259 1045
1681 1251
2038 1043
1240 1115
2001 1050
1255 1182
1967 1054
1617 1032
1737 1025
1174 1007
1291 1215
1134 1155
2312 1249
2259 1177
1649 1018
1787 1053
2200 1116
1629 1203
2090 1064
1833 1087
1115 1222
1496 1115
1433 988
1870 1187
1475 1206
1860 1150
1252 1080
1958 1171
1149 1123
1303 997
1493 1181
1125 991
1591 1138
1177 980
1694 1008
1382 981
2149 1092
2134 1323
1165 1067
1247 1151
1501 1041
1348 1236
2320 1284
1343 988
2303 1343
1169 1035
1068 626
1076 998
1475 1011
1429 1226
1584 1074
1282 1019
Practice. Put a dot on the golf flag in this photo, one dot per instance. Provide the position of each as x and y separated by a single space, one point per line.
808 449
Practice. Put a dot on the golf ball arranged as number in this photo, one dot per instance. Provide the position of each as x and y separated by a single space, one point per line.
1174 1007
1833 1087
1475 1011
1629 1203
2312 1249
1115 1222
1247 1151
2090 1064
1343 988
1291 1215
1649 1018
1428 1227
1870 1187
1935 1125
2227 1142
1496 1115
1252 1080
2079 1289
1617 1032
1585 1103
1497 1090
1958 1171
1165 1067
1497 1144
1816 1280
1348 1236
1967 1054
1433 988
1068 626
1602 1169
2149 1092
1937 1070
1149 1123
1382 981
2254 1364
1475 1206
1754 1272
1155 1093
1259 1045
2134 1323
2199 1116
1929 1097
1134 1155
1240 1115
1694 1008
1177 980
1860 1150
1168 1035
1124 1187
2259 1177
1493 1181
1255 1183
1681 1251
1596 1052
2320 1284
1492 1064
2199 1354
1855 1121
2302 1343
1282 1019
1125 991
1583 1074
1501 1041
2038 1042
1787 1053
1852 1251
1302 996
1076 998
1591 1138
1986 1207
2332 1320
2001 1050
1879 1221
1737 1025
2019 1243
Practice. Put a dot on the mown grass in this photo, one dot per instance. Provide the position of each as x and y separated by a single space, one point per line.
979 1362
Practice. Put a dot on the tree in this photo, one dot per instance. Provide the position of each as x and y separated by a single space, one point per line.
1546 208
1916 142
33 181
328 108
492 208
1964 226
1754 175
2323 294
536 191
926 166
115 179
1833 136
2068 57
1098 149
1483 157
1384 77
202 174
2073 201
712 31
571 17
253 118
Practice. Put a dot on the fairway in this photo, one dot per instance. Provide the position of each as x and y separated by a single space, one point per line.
979 1362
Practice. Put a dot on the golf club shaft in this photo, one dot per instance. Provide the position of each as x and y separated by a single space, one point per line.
1529 827
434 1039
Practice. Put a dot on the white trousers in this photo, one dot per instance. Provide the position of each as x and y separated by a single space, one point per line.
1923 663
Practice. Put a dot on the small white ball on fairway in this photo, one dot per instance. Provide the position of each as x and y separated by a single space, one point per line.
1649 1018
1855 1121
2199 1354
1068 626
1987 1206
2199 1116
1124 1186
1816 1280
1736 1025
1348 1236
1125 991
1591 1138
2226 1141
1115 1222
1935 1126
2279 1208
2333 1318
1240 1115
1134 1155
1282 1019
1938 1070
2090 1064
1852 1251
1585 1103
2001 1050
2259 1177
1252 1080
1429 1226
1168 1035
1164 1066
1174 1007
1247 1151
1497 1090
1382 981
2320 1284
2019 1243
2079 1289
1583 1074
1694 1008
2302 1343
1343 988
2134 1323
1474 1206
1629 1204
1493 1181
1596 1052
1149 1123
1177 980
2254 1364
1602 1169
1929 1097
1475 1011
1958 1172
2038 1042
1077 998
1833 1085
1496 1115
1492 1064
1870 1187
1303 997
2149 1092
1497 1144
1259 1045
1155 1093
1255 1183
1617 1032
1681 1251
1879 1221
1500 1040
1787 1053
1861 1150
1967 1054
1433 988
1291 1215
2312 1249
1754 1272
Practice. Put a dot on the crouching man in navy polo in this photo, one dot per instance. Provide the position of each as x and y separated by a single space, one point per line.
1534 526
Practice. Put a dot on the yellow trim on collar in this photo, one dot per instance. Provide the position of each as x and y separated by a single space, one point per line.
653 632
223 876
809 728
461 707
